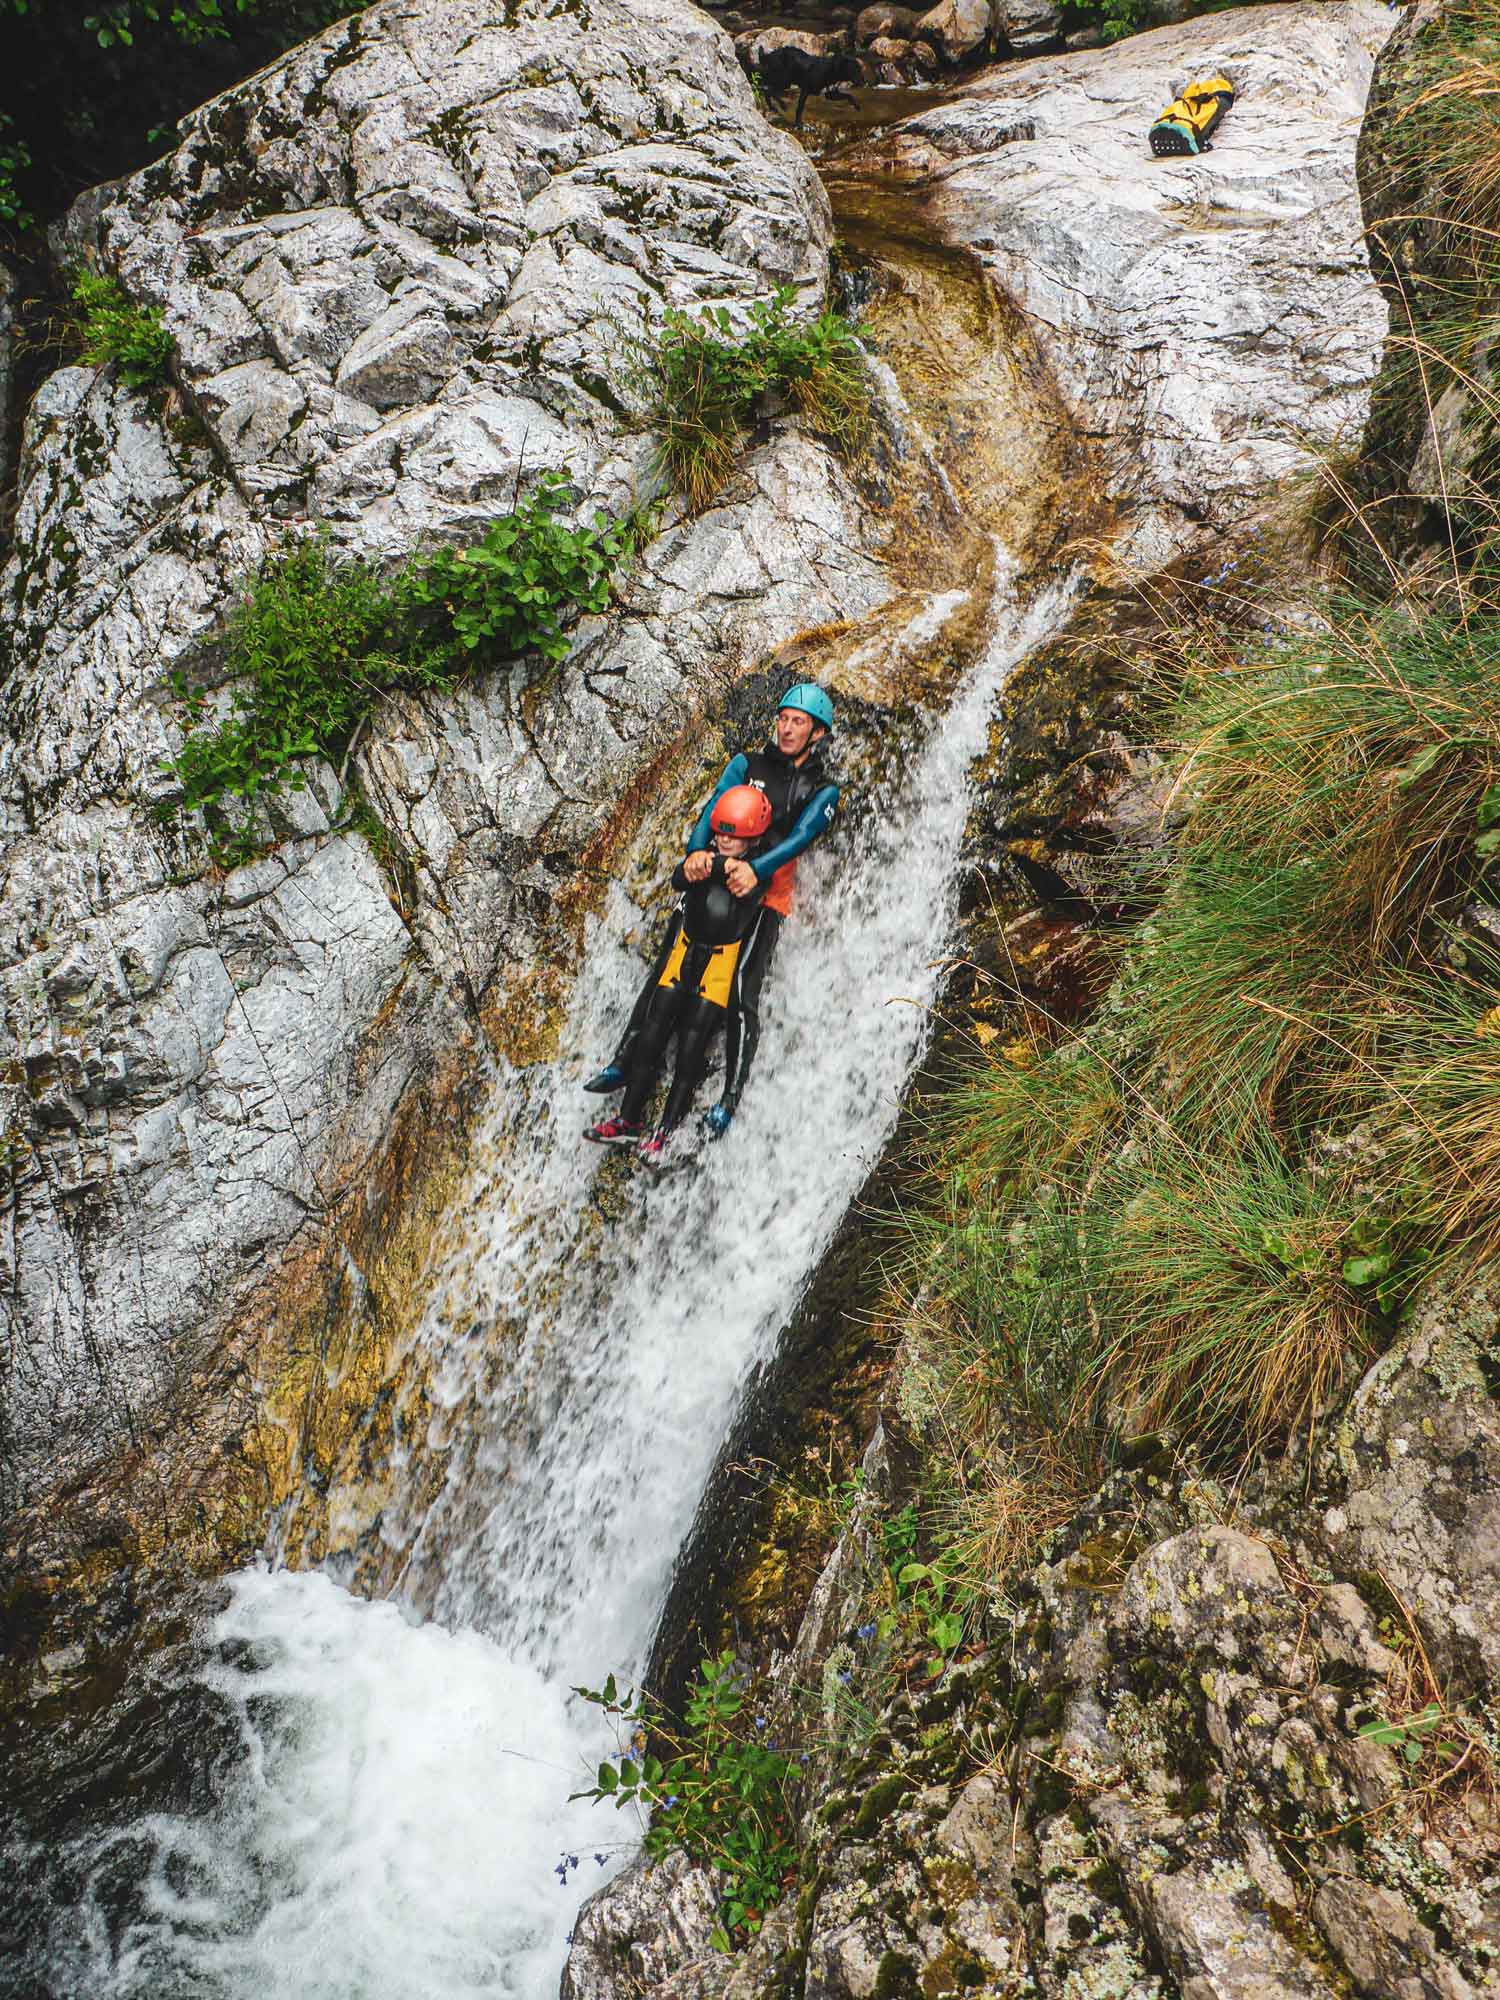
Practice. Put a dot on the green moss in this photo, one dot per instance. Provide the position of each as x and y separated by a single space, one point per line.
895 1978
879 1801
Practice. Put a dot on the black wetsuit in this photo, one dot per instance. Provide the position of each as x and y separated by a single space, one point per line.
692 991
804 800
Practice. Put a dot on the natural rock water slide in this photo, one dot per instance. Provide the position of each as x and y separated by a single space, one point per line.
500 1450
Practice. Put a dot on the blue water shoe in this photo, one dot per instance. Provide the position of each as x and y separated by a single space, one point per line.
716 1120
603 1081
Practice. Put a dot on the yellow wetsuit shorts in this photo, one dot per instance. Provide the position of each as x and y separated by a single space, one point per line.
718 975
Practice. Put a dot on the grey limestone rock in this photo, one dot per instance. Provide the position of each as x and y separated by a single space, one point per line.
406 269
7 322
648 1929
959 28
1213 320
1410 1481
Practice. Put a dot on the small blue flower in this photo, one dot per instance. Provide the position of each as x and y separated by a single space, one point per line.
865 1631
803 1758
760 1722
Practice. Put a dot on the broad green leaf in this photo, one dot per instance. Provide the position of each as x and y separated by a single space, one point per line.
1421 764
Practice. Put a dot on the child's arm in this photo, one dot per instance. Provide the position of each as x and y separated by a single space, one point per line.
679 873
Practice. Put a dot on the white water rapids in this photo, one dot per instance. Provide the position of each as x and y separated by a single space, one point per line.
393 1829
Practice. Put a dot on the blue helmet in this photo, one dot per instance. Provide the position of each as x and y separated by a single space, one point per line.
811 700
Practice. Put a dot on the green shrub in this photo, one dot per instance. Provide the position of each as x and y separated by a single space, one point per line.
311 647
318 640
708 384
15 158
1120 18
111 329
510 593
720 1793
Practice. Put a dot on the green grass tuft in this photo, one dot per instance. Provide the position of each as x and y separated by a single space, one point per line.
1203 1212
708 383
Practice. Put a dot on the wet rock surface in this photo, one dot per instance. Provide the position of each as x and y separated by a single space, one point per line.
404 268
1212 320
1154 1780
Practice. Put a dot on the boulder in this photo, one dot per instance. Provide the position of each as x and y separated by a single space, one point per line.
1409 1482
960 28
888 21
756 42
1213 320
644 1927
1025 23
404 268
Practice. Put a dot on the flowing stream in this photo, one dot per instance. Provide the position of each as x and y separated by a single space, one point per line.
396 1823
392 1819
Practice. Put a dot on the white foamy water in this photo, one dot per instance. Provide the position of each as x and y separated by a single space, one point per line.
381 1839
391 1829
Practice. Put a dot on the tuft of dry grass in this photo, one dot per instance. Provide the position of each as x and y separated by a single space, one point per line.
709 379
1142 1226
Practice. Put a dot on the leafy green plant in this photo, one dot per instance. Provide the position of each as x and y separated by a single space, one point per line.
709 380
937 1602
111 329
1415 1736
15 158
122 21
318 640
1120 18
898 1538
511 593
720 1793
311 647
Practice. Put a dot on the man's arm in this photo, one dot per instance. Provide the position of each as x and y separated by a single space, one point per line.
816 817
736 771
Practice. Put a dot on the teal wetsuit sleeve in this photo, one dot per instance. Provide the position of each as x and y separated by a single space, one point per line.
815 818
736 771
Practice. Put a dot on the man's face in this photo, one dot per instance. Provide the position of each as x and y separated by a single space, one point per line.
795 730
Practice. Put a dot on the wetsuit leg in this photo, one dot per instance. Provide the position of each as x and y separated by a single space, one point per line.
648 1046
742 1037
700 1018
621 1059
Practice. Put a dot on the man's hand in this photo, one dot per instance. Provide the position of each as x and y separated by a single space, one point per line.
741 878
699 866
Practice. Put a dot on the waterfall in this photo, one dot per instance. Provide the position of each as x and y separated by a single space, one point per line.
394 1825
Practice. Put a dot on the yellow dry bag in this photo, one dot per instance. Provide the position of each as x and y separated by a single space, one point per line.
1192 118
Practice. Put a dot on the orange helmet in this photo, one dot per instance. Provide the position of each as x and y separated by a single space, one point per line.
744 811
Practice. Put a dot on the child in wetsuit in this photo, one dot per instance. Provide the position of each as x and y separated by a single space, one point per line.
696 986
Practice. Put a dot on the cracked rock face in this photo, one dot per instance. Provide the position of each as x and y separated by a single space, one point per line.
1213 319
1157 1782
405 269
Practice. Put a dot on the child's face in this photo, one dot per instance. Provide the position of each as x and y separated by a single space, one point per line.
731 846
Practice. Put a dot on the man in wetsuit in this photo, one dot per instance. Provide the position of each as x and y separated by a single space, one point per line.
804 799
